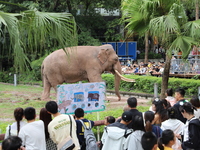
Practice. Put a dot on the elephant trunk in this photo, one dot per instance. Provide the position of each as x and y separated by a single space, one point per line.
117 79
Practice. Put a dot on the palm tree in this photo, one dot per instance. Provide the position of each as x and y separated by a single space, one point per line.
29 31
165 19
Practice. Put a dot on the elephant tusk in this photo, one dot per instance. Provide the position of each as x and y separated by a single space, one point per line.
124 78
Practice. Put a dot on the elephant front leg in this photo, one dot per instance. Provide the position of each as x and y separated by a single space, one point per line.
94 76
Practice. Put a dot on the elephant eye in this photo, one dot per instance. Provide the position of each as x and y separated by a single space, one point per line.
116 59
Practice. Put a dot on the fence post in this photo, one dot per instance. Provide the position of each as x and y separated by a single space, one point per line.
199 92
15 79
155 90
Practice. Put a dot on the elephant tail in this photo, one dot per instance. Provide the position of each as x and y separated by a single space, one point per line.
42 74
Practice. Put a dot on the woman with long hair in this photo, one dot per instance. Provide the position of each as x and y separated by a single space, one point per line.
13 130
149 117
160 112
46 118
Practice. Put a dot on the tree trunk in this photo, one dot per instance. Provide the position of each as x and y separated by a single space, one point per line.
146 47
165 76
197 9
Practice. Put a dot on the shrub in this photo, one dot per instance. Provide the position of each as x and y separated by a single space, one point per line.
146 84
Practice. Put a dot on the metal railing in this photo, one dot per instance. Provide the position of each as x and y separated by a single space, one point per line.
189 66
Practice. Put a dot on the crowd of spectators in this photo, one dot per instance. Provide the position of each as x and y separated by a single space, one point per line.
152 68
169 124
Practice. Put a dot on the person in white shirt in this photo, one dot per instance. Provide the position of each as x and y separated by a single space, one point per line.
170 98
175 125
59 127
13 130
32 134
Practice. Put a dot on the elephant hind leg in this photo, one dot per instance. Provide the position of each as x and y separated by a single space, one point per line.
46 89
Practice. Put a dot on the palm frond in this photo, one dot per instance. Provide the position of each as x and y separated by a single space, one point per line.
163 26
10 22
192 29
184 44
40 26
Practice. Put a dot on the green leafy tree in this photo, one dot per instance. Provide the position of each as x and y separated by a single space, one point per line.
28 32
167 20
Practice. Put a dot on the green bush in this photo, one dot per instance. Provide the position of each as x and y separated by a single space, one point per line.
146 84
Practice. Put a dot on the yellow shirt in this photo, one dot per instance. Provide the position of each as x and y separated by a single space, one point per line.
165 148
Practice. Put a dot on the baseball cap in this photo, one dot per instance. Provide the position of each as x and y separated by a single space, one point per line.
127 116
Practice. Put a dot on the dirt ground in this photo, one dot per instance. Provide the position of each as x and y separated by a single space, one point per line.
114 103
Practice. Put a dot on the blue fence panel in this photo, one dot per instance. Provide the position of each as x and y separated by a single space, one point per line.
132 49
103 43
121 48
114 45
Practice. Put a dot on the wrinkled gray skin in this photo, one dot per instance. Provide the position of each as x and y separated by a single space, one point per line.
84 63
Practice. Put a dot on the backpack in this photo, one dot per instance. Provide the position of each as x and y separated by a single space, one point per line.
90 139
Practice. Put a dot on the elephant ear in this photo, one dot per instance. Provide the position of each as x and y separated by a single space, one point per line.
103 55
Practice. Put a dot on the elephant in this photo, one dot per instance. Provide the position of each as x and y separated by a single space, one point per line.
81 63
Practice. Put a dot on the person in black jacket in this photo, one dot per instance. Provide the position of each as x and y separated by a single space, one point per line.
192 132
179 96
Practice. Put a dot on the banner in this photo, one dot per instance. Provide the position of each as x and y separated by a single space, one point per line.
88 96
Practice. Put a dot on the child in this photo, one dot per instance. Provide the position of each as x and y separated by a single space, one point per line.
149 141
167 139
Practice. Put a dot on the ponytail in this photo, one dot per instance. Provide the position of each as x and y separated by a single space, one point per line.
160 144
18 126
148 126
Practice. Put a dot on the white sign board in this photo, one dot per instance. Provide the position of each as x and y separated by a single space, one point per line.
88 96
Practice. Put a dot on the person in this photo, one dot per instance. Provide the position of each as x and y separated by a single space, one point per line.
115 134
149 117
109 120
175 125
191 133
166 141
169 96
196 103
166 104
179 96
153 107
61 124
16 126
12 143
46 118
132 103
156 50
149 141
79 115
32 134
160 113
133 142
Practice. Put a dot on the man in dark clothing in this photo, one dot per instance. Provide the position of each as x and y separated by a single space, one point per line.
132 103
179 96
79 114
